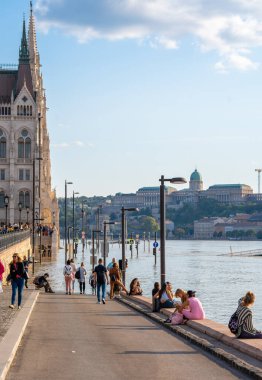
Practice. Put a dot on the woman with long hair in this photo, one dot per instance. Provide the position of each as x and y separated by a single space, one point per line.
115 279
166 295
135 289
246 329
17 279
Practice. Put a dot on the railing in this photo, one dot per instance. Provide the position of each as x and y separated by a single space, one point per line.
11 238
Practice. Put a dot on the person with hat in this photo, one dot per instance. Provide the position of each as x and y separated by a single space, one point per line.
17 271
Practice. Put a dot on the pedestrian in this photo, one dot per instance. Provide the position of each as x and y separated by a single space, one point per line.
82 278
68 277
42 282
110 265
2 270
72 263
115 279
246 329
17 279
26 266
92 282
101 278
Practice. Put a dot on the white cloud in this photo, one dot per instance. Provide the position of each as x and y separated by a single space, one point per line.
231 28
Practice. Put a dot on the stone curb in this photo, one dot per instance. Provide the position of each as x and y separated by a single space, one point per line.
12 338
233 360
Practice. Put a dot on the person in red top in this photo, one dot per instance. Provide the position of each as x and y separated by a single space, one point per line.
2 270
17 279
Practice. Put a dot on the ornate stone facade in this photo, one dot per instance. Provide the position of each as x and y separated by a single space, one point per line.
24 138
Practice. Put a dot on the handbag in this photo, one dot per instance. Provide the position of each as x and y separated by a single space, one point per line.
8 278
25 275
77 274
233 323
177 318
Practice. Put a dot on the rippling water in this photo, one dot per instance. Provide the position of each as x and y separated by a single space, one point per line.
220 280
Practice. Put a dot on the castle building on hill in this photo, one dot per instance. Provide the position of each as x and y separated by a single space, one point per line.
25 166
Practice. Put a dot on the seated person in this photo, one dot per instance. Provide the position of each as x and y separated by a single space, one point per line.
166 296
135 289
246 329
155 290
41 281
192 308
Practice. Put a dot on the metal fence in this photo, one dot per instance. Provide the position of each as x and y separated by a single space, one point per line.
11 238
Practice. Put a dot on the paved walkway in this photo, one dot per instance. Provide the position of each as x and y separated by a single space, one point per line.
8 315
73 337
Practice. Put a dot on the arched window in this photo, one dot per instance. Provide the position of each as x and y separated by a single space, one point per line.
24 198
2 199
24 145
2 145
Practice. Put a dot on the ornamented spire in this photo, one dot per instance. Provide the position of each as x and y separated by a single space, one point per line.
32 37
23 51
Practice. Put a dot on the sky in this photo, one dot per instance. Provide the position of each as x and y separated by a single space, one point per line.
140 88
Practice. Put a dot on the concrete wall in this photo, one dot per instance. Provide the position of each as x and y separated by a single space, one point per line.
22 248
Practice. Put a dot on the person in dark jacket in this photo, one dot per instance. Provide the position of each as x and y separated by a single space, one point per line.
17 279
42 282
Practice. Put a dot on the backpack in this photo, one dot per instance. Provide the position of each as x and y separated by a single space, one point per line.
233 323
68 270
77 274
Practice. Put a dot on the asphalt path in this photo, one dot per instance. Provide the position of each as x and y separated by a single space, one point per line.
72 337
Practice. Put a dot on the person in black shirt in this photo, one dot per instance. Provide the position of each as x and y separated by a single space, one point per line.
42 282
17 279
101 278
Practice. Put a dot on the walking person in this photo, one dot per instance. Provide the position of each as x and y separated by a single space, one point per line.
17 279
72 263
2 270
26 267
82 278
101 278
68 277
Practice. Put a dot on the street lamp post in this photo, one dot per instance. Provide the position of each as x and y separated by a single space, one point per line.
6 206
20 210
93 247
123 224
27 214
177 180
66 183
74 193
104 250
98 226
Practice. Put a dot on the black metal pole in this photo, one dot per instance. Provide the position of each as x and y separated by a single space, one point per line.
131 245
98 228
65 222
33 219
162 232
6 215
82 216
27 212
93 250
73 219
123 247
155 249
104 244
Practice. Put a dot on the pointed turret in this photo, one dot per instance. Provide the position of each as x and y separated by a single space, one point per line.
24 76
23 51
33 52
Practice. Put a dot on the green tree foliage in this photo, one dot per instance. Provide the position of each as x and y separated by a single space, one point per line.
148 224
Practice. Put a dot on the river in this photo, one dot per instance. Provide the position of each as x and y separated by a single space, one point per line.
219 279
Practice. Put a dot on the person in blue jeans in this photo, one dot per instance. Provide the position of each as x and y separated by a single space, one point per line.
101 279
17 279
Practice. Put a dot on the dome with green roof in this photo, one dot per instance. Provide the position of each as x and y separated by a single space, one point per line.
196 183
195 176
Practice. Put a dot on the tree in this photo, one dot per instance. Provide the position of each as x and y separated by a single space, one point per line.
148 224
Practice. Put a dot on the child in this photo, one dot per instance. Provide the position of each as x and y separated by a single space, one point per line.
92 283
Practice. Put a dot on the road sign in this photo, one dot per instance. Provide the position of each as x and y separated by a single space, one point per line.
155 244
154 251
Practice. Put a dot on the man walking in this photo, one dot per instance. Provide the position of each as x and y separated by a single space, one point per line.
101 279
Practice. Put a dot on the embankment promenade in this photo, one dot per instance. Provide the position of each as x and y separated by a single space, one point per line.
63 337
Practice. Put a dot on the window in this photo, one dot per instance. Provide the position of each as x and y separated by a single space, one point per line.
24 198
2 199
24 174
2 174
2 145
24 145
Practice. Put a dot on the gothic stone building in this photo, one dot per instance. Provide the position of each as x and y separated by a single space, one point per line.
25 169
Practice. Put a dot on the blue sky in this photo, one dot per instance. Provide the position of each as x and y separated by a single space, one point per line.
136 89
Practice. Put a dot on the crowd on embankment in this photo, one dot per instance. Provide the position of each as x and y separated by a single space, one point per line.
186 306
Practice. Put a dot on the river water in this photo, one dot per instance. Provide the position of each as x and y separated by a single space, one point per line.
205 266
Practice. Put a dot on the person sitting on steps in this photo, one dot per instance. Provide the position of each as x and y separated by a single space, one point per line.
41 282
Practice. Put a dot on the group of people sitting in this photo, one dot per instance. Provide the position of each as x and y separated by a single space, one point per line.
187 306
